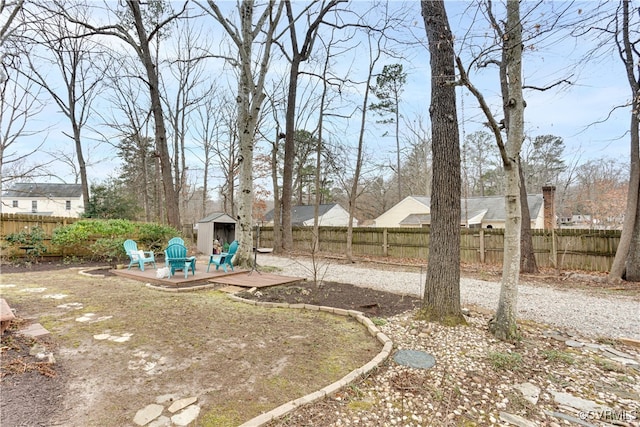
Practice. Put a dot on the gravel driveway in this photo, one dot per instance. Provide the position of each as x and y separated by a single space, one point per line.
586 313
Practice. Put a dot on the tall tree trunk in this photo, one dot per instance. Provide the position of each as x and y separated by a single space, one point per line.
503 325
528 262
441 300
170 195
353 194
81 163
277 203
299 54
289 154
627 259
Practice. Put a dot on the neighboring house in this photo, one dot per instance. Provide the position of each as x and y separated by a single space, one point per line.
44 199
331 214
475 212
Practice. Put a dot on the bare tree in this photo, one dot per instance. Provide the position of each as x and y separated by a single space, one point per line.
216 133
20 104
622 28
374 40
141 39
131 119
72 57
300 52
441 300
246 38
12 9
182 97
504 324
416 172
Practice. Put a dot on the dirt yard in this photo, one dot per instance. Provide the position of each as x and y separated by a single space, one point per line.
136 345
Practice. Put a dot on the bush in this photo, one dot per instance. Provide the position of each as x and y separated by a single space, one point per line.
104 238
32 241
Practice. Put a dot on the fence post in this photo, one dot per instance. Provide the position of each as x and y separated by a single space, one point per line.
554 249
481 246
385 242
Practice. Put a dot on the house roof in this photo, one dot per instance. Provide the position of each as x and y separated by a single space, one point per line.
472 209
302 213
44 190
474 217
219 217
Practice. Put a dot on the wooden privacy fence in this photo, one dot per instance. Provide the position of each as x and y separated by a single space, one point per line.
564 249
15 223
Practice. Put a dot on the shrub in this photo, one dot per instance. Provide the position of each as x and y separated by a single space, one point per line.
32 241
104 238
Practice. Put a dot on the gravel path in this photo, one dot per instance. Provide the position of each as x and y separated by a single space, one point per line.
576 311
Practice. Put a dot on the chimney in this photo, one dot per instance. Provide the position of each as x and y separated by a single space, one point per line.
548 198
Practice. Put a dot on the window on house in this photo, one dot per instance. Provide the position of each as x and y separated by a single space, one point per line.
15 203
68 205
34 206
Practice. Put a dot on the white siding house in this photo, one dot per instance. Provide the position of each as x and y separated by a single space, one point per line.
329 215
63 200
475 212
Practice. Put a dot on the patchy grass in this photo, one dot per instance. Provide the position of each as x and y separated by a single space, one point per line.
239 360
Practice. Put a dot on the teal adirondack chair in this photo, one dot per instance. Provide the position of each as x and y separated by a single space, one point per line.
175 240
225 258
137 256
176 258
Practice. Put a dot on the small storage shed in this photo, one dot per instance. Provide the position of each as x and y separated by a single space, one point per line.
217 225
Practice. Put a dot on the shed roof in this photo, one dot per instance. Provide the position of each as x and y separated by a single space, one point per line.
44 190
220 217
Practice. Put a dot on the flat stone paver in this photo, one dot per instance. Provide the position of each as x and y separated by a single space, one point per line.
34 330
148 414
414 359
187 416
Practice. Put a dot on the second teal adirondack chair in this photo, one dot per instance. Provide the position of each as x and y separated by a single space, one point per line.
225 258
175 240
137 256
176 258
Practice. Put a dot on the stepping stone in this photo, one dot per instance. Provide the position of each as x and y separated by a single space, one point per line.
148 414
529 391
182 403
583 405
574 343
35 330
86 317
414 359
617 353
161 421
187 416
120 339
91 317
55 296
34 290
73 305
516 420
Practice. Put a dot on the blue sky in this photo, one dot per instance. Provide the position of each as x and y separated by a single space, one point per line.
571 112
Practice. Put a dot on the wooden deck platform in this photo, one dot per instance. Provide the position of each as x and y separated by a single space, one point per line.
201 279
